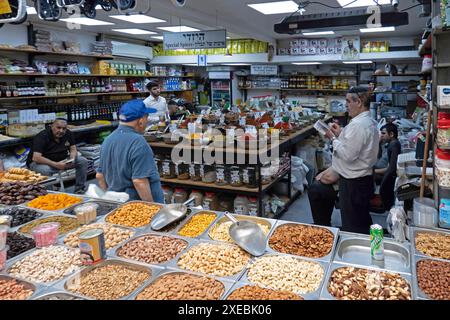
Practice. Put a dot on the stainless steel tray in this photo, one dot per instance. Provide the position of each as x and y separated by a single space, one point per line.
63 285
174 263
355 250
241 284
17 229
44 215
226 283
26 284
200 236
419 293
175 230
325 295
58 211
314 295
112 203
62 295
413 234
326 258
114 252
106 217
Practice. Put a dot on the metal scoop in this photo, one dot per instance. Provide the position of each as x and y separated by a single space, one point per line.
169 214
247 235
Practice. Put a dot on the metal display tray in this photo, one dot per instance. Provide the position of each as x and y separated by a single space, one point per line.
58 211
105 217
354 249
63 285
327 257
268 222
114 251
200 236
17 229
314 295
43 212
413 233
27 284
70 209
175 230
62 295
235 277
241 284
226 283
415 259
326 295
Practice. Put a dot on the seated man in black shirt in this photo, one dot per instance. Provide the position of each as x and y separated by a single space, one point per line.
53 150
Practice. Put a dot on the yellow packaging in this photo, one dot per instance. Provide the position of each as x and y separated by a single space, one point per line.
248 46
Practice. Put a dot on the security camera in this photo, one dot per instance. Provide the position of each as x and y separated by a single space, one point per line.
179 3
394 3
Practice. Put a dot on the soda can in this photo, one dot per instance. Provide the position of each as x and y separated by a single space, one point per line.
92 246
376 242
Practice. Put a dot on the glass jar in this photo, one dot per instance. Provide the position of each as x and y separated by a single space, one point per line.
235 176
222 175
179 196
443 132
194 172
252 206
443 168
208 173
250 176
182 171
168 193
198 196
241 205
210 201
158 163
267 208
266 175
168 168
226 203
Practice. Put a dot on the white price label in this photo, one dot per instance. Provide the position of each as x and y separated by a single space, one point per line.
242 121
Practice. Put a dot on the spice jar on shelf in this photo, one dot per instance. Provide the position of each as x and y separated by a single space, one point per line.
222 175
241 205
198 197
210 201
235 176
168 168
443 132
168 193
194 172
250 176
179 196
252 206
158 162
182 171
208 173
266 174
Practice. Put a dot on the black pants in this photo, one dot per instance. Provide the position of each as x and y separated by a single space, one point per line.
354 200
321 199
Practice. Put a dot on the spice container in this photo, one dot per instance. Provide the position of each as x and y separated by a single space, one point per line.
210 201
198 197
226 203
443 132
45 234
443 168
252 206
267 208
179 196
235 176
222 175
182 171
208 173
158 162
3 235
168 168
86 213
250 176
266 176
241 205
194 172
5 220
3 252
168 193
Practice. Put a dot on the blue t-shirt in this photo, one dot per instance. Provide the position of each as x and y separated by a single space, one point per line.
125 155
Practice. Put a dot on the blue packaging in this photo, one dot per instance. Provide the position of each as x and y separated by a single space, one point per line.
444 213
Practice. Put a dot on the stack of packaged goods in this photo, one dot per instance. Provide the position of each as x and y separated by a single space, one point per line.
42 40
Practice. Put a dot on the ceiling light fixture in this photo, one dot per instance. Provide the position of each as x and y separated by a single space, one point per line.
357 62
178 29
276 7
361 3
383 29
158 37
306 63
137 18
319 33
87 21
236 64
134 31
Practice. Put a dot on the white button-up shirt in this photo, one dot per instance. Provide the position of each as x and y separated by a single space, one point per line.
355 151
159 104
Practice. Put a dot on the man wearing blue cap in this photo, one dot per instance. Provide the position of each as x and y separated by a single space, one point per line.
126 159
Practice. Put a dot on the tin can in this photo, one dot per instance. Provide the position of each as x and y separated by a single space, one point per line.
376 242
92 246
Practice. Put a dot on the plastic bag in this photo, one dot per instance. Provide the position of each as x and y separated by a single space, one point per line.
95 192
396 224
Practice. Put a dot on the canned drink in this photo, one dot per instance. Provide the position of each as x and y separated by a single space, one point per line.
92 246
376 242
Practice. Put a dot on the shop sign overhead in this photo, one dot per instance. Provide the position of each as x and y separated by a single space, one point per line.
195 40
264 69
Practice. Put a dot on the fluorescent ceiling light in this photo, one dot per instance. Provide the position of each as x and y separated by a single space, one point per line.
305 63
87 21
137 18
236 64
320 33
276 7
383 29
158 37
361 3
178 29
31 10
134 31
190 64
357 62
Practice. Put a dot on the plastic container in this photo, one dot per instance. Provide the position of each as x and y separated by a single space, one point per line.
5 220
241 205
3 235
208 173
444 213
427 63
45 234
443 168
179 196
424 213
443 132
168 168
250 176
168 193
194 172
266 175
267 208
86 213
182 171
252 206
3 252
222 175
210 201
236 176
198 197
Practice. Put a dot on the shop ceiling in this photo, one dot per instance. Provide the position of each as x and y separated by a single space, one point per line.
240 20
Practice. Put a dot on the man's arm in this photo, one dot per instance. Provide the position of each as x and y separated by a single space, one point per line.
73 152
39 159
328 176
348 149
142 187
380 170
101 181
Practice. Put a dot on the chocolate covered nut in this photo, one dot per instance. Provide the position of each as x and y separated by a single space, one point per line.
13 193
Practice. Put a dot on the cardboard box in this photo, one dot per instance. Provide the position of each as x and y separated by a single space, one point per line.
443 95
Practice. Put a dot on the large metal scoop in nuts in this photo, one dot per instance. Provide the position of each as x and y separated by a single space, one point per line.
247 235
169 214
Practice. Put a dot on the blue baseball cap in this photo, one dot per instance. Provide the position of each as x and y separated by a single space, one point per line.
134 109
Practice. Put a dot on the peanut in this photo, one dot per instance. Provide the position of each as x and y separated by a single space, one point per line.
433 278
134 214
11 289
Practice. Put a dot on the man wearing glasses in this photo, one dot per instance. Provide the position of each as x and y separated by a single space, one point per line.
355 150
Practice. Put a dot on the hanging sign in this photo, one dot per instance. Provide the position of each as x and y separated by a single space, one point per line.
264 70
350 48
195 40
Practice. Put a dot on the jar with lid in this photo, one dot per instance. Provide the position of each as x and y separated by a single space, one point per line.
443 168
252 206
222 175
235 176
168 193
208 173
158 162
267 207
210 201
226 203
179 196
443 132
198 197
266 176
250 176
182 171
168 168
241 205
194 172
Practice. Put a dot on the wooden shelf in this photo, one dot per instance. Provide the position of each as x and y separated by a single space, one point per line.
73 95
170 77
36 52
394 92
398 75
68 75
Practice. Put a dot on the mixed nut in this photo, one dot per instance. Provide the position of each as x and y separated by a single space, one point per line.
113 235
133 214
433 244
66 224
249 292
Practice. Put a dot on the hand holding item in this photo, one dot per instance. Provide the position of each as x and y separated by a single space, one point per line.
335 129
61 165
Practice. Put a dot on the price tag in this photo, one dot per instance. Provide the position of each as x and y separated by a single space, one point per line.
5 7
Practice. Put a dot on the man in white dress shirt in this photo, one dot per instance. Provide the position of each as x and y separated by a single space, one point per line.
355 150
154 100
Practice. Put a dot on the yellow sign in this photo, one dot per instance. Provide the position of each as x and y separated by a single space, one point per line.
5 7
